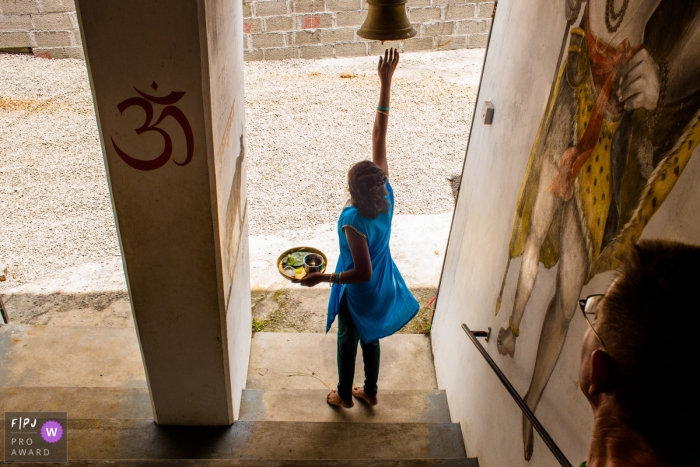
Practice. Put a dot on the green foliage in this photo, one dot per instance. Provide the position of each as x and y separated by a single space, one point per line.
280 297
259 325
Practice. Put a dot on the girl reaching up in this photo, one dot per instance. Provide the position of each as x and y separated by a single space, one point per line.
368 294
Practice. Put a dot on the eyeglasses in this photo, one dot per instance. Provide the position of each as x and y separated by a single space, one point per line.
588 308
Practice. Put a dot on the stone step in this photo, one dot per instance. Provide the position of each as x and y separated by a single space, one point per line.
55 356
144 440
301 405
462 462
81 403
308 361
309 405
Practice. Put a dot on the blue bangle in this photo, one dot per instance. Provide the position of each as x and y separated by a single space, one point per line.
384 109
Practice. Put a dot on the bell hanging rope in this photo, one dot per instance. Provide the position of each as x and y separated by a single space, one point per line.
386 21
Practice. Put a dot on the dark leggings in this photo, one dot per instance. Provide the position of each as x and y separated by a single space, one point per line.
348 337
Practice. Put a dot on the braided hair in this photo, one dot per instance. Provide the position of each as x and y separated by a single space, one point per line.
366 182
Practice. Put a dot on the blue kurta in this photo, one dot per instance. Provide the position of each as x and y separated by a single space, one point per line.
383 305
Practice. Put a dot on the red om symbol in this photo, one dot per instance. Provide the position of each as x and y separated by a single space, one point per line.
170 111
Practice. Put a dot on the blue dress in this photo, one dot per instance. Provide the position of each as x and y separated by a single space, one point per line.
383 305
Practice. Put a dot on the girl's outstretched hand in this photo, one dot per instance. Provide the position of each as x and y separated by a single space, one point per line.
311 279
387 65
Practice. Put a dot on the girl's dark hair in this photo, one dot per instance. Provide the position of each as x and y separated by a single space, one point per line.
367 189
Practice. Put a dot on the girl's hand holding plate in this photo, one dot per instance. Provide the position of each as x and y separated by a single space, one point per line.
311 279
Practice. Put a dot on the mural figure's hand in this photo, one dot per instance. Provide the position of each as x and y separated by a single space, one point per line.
572 8
640 82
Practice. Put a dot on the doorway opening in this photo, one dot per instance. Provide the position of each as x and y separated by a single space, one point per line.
307 122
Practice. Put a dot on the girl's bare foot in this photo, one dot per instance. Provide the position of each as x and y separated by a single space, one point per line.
359 392
334 399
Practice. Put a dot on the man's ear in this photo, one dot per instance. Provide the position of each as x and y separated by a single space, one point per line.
601 366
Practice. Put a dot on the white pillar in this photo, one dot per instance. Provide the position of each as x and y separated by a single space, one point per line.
167 81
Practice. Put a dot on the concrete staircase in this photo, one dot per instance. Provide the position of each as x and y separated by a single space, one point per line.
96 375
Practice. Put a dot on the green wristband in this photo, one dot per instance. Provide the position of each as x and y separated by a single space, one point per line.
383 109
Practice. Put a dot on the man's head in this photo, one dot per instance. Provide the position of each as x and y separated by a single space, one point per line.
645 361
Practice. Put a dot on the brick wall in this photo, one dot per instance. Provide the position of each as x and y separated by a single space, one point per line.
279 29
274 29
48 27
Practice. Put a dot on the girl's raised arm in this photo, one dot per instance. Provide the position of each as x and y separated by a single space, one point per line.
385 70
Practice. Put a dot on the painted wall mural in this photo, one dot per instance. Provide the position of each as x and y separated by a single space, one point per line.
620 126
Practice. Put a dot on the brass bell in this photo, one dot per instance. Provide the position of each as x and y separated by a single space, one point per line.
386 21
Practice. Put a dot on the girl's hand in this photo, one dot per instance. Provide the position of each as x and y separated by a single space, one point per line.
387 65
312 279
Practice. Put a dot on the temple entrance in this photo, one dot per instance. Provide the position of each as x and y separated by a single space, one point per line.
174 250
307 122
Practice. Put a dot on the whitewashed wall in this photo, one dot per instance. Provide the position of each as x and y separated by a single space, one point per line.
520 62
225 68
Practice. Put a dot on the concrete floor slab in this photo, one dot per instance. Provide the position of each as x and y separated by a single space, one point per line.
54 356
418 245
142 439
308 361
309 405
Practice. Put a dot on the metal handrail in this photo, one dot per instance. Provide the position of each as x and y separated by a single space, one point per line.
518 400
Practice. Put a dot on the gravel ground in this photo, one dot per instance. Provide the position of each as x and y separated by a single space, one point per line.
54 205
305 127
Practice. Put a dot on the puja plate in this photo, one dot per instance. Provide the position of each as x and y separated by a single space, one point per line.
299 272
